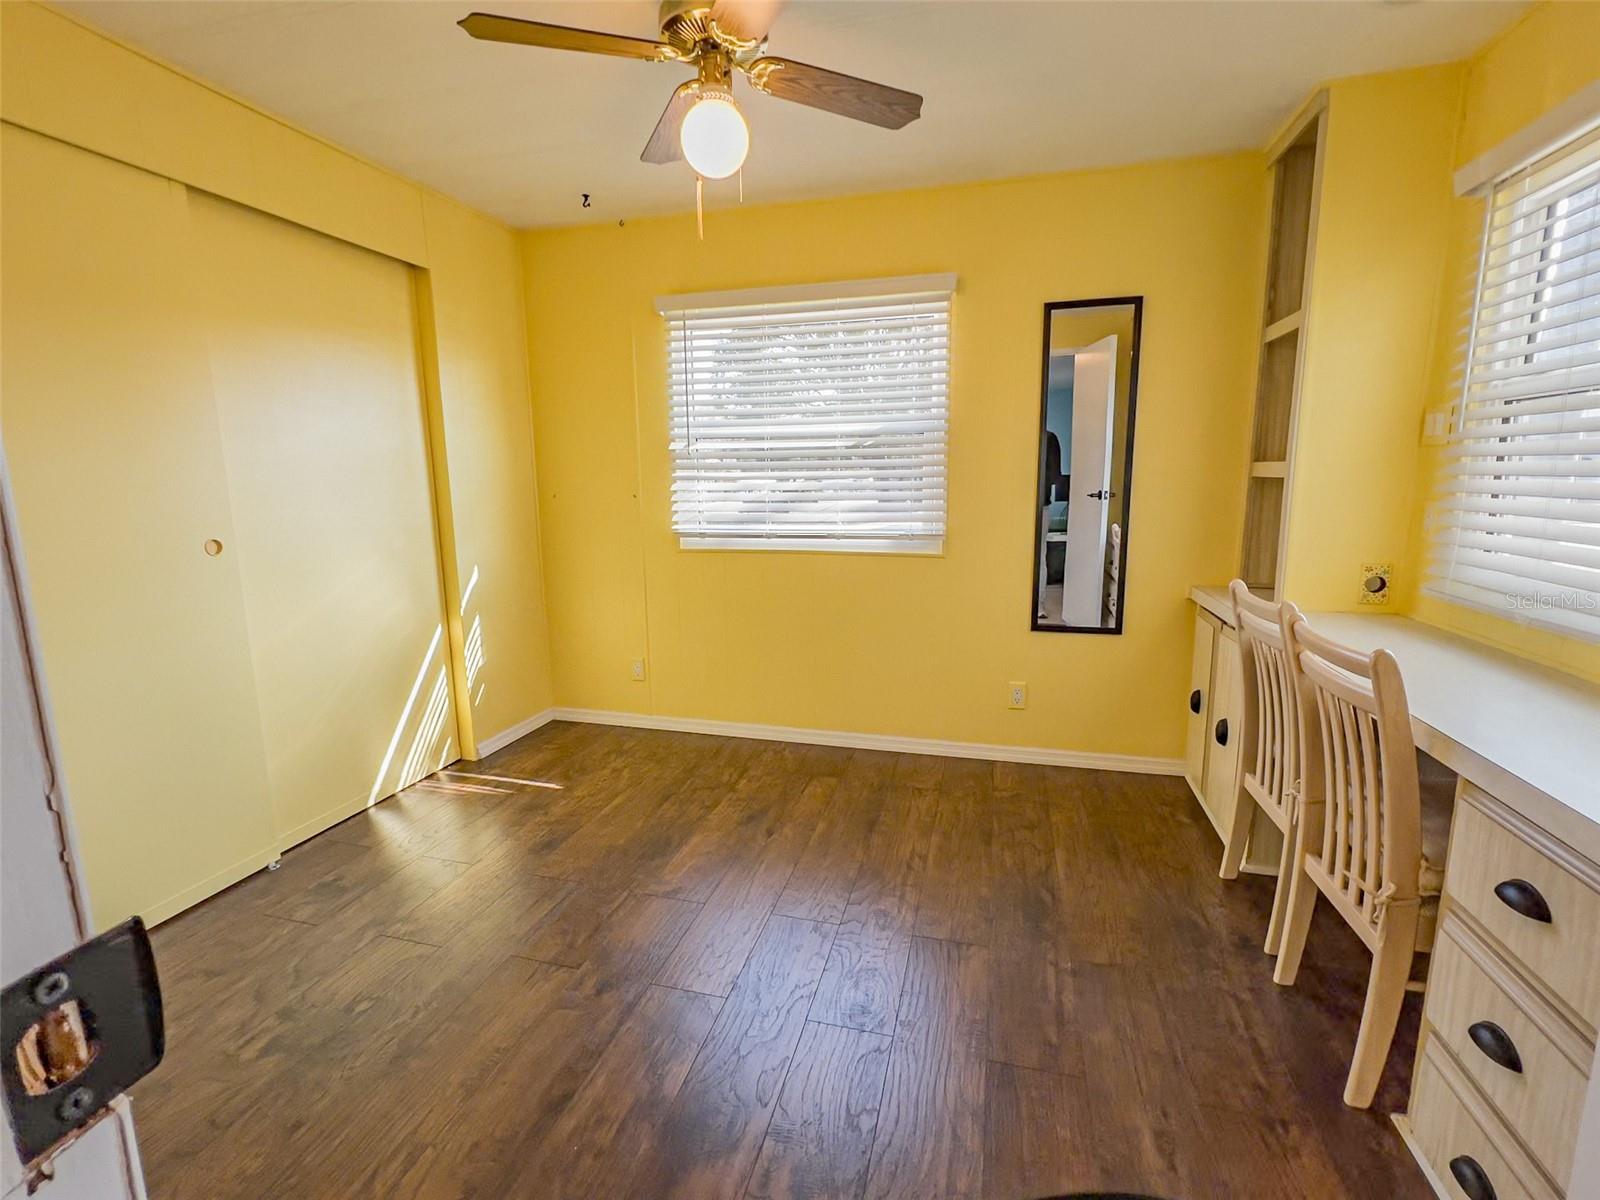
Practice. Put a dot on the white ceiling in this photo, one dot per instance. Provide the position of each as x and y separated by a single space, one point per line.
1013 88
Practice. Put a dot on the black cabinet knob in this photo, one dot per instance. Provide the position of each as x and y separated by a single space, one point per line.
1473 1179
1496 1045
1194 701
1222 732
1522 898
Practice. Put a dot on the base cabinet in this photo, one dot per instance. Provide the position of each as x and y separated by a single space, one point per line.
1211 763
1206 628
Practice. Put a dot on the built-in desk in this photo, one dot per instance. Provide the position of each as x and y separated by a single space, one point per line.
1526 733
1525 741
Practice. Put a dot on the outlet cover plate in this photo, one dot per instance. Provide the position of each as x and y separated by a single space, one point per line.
1377 583
1016 695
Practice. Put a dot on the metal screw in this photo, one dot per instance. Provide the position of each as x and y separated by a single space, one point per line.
51 988
78 1104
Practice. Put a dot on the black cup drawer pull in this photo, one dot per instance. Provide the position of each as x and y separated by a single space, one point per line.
1522 898
1496 1045
1194 701
1473 1179
1222 732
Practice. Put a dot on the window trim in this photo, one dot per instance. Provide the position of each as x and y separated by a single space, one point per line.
800 293
783 297
931 547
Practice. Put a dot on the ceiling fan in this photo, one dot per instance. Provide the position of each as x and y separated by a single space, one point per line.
702 123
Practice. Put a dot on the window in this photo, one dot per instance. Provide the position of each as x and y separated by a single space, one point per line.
1515 526
811 418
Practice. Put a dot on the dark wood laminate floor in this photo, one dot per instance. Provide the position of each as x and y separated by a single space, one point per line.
671 965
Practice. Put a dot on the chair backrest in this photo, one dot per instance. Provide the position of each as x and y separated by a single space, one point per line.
1269 746
1359 762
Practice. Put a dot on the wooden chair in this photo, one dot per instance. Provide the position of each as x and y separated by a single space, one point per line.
1360 838
1269 733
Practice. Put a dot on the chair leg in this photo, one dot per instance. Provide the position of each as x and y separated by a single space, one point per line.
1244 811
1296 924
1386 990
1287 865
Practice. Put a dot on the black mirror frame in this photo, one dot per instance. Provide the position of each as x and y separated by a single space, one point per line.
1054 306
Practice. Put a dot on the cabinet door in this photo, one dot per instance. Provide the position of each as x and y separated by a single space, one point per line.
1199 701
1222 746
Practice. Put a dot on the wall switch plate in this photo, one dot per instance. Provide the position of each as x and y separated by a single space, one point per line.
638 670
1438 424
1016 695
1377 582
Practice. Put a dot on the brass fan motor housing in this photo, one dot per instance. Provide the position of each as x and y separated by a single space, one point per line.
687 26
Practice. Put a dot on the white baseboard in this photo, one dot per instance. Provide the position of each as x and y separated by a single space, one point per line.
163 910
876 741
498 741
323 821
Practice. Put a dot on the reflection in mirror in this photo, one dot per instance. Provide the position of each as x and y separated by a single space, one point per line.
1089 383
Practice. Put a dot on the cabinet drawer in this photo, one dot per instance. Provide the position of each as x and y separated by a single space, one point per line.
1452 1126
1564 951
1542 1102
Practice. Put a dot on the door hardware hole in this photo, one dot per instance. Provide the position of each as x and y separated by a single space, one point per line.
55 1049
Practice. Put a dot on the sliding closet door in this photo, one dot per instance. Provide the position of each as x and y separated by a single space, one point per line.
117 470
314 366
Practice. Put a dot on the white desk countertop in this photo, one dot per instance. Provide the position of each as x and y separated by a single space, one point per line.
1527 734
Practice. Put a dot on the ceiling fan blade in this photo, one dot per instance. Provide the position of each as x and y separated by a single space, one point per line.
745 20
860 99
491 28
664 146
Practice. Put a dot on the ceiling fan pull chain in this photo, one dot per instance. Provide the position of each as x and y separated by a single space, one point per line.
700 206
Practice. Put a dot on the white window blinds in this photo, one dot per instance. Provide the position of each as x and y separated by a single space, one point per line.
811 418
1515 526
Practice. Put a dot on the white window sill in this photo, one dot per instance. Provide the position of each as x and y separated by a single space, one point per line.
818 545
1578 623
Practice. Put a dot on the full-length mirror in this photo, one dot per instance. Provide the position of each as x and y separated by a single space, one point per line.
1088 386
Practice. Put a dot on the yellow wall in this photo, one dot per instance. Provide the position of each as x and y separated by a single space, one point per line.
916 646
121 422
1544 59
479 330
1381 233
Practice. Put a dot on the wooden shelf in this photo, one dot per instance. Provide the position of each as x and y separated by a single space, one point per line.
1278 329
1296 177
1263 519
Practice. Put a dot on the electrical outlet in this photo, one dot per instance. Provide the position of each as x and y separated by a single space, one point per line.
638 670
1377 581
1017 695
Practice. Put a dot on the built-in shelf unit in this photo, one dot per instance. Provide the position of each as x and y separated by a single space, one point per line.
1296 160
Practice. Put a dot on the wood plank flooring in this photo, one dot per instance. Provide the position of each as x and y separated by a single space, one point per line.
622 963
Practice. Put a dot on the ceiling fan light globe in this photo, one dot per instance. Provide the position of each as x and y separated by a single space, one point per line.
714 137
